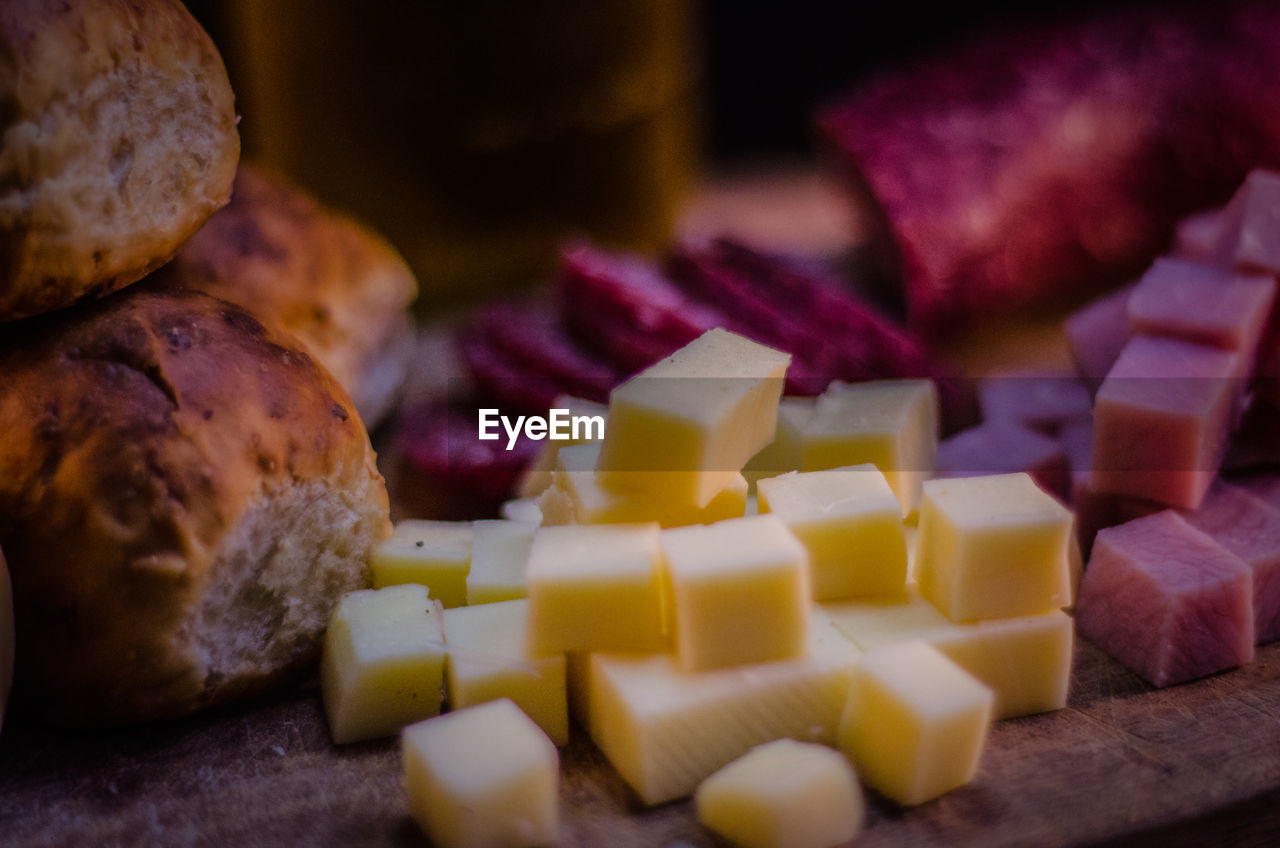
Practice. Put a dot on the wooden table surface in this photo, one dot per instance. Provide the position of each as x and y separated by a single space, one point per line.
1192 765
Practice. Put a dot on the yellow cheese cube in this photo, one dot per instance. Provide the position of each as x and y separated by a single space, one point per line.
577 497
1025 660
488 660
665 729
785 452
537 477
850 522
696 417
595 587
383 662
499 553
783 794
993 547
915 722
521 509
739 592
435 554
892 424
482 777
873 622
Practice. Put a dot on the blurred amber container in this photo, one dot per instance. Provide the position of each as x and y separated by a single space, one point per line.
477 136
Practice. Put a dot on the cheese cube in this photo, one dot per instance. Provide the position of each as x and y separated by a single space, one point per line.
665 729
435 554
696 416
993 547
785 452
483 776
499 552
850 523
783 794
383 662
1026 661
595 588
521 509
488 660
915 722
892 424
739 592
577 497
537 477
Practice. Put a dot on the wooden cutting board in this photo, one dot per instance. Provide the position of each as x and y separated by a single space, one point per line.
1190 765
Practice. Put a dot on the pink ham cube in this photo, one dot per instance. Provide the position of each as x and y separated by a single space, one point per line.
1203 304
1096 333
1166 600
1004 447
1265 485
1037 399
1198 235
1249 527
1161 420
1250 224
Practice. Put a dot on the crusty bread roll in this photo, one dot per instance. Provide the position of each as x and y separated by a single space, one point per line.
119 140
336 285
183 496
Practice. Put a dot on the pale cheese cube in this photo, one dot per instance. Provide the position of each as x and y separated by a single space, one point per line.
435 554
695 417
892 424
784 794
499 553
1025 660
482 777
595 587
537 477
577 497
383 662
739 592
915 722
850 522
665 729
993 547
521 509
488 660
785 452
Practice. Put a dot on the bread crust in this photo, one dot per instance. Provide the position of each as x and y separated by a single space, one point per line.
152 443
335 284
119 140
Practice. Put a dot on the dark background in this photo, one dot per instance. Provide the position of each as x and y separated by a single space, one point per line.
767 62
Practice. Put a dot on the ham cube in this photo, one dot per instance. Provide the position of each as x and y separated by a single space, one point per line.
1004 447
1166 600
1198 235
1250 224
1161 420
1042 401
1265 486
1255 441
1096 333
1249 527
1203 304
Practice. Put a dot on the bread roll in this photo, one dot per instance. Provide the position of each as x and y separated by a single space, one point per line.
333 283
184 494
119 140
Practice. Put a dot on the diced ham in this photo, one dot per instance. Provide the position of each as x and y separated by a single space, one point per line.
1096 333
1250 224
1249 527
1198 235
1166 600
1040 400
1161 420
1003 447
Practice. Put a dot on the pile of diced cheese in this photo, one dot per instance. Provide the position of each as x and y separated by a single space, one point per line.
641 594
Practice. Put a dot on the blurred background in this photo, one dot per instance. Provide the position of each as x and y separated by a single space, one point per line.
478 136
